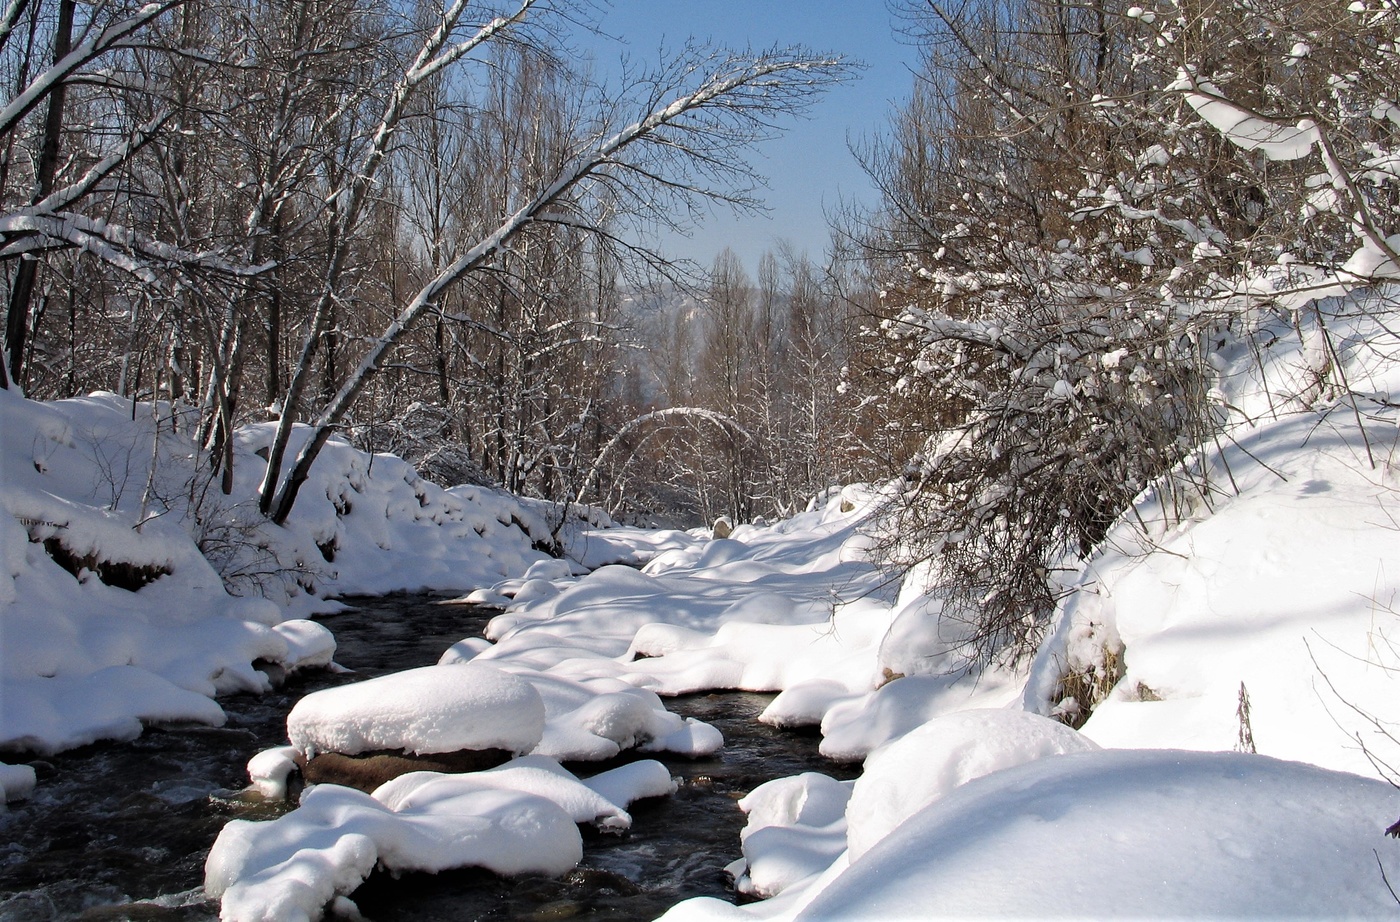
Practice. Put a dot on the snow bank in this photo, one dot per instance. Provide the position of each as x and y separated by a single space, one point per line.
1267 618
518 818
426 710
945 753
115 604
853 728
1134 834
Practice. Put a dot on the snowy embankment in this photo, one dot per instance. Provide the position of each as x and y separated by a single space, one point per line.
112 612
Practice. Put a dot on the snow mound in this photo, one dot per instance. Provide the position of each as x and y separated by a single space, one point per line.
796 828
431 709
1142 834
531 774
926 764
596 718
518 818
854 728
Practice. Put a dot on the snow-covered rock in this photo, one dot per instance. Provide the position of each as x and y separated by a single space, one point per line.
519 818
433 709
796 829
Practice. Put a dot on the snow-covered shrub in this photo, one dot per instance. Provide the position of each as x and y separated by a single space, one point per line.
1084 204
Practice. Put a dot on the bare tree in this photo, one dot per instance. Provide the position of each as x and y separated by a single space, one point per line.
679 143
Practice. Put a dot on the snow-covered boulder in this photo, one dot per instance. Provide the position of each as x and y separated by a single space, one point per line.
520 818
796 828
433 709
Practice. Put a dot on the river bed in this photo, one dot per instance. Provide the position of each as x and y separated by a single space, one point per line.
120 830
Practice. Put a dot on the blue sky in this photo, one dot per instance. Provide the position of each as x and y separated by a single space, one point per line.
810 168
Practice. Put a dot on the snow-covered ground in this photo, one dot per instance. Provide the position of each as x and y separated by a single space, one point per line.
112 612
1234 769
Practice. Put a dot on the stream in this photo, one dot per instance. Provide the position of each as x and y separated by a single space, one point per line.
120 831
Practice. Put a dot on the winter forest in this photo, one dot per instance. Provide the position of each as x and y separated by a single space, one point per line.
395 528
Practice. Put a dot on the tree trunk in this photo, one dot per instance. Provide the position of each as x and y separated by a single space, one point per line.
22 291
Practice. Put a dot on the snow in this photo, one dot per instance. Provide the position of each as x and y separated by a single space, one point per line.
854 728
926 764
796 829
462 706
1133 834
1258 615
16 782
1244 128
1285 589
120 609
518 818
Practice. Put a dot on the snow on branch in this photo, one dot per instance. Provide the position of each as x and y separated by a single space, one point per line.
1243 127
93 46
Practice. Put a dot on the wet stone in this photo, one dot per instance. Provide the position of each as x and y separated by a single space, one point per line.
369 770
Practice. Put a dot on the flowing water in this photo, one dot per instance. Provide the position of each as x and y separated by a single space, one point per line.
120 830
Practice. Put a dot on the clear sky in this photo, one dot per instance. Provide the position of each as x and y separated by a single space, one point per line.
810 168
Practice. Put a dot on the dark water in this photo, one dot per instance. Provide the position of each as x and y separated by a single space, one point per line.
120 830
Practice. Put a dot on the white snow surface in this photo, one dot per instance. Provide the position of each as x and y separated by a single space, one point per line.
796 829
518 818
901 778
160 610
1282 591
1137 834
1262 617
431 709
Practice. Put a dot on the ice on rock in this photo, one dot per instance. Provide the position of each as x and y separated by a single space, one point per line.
447 708
927 763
